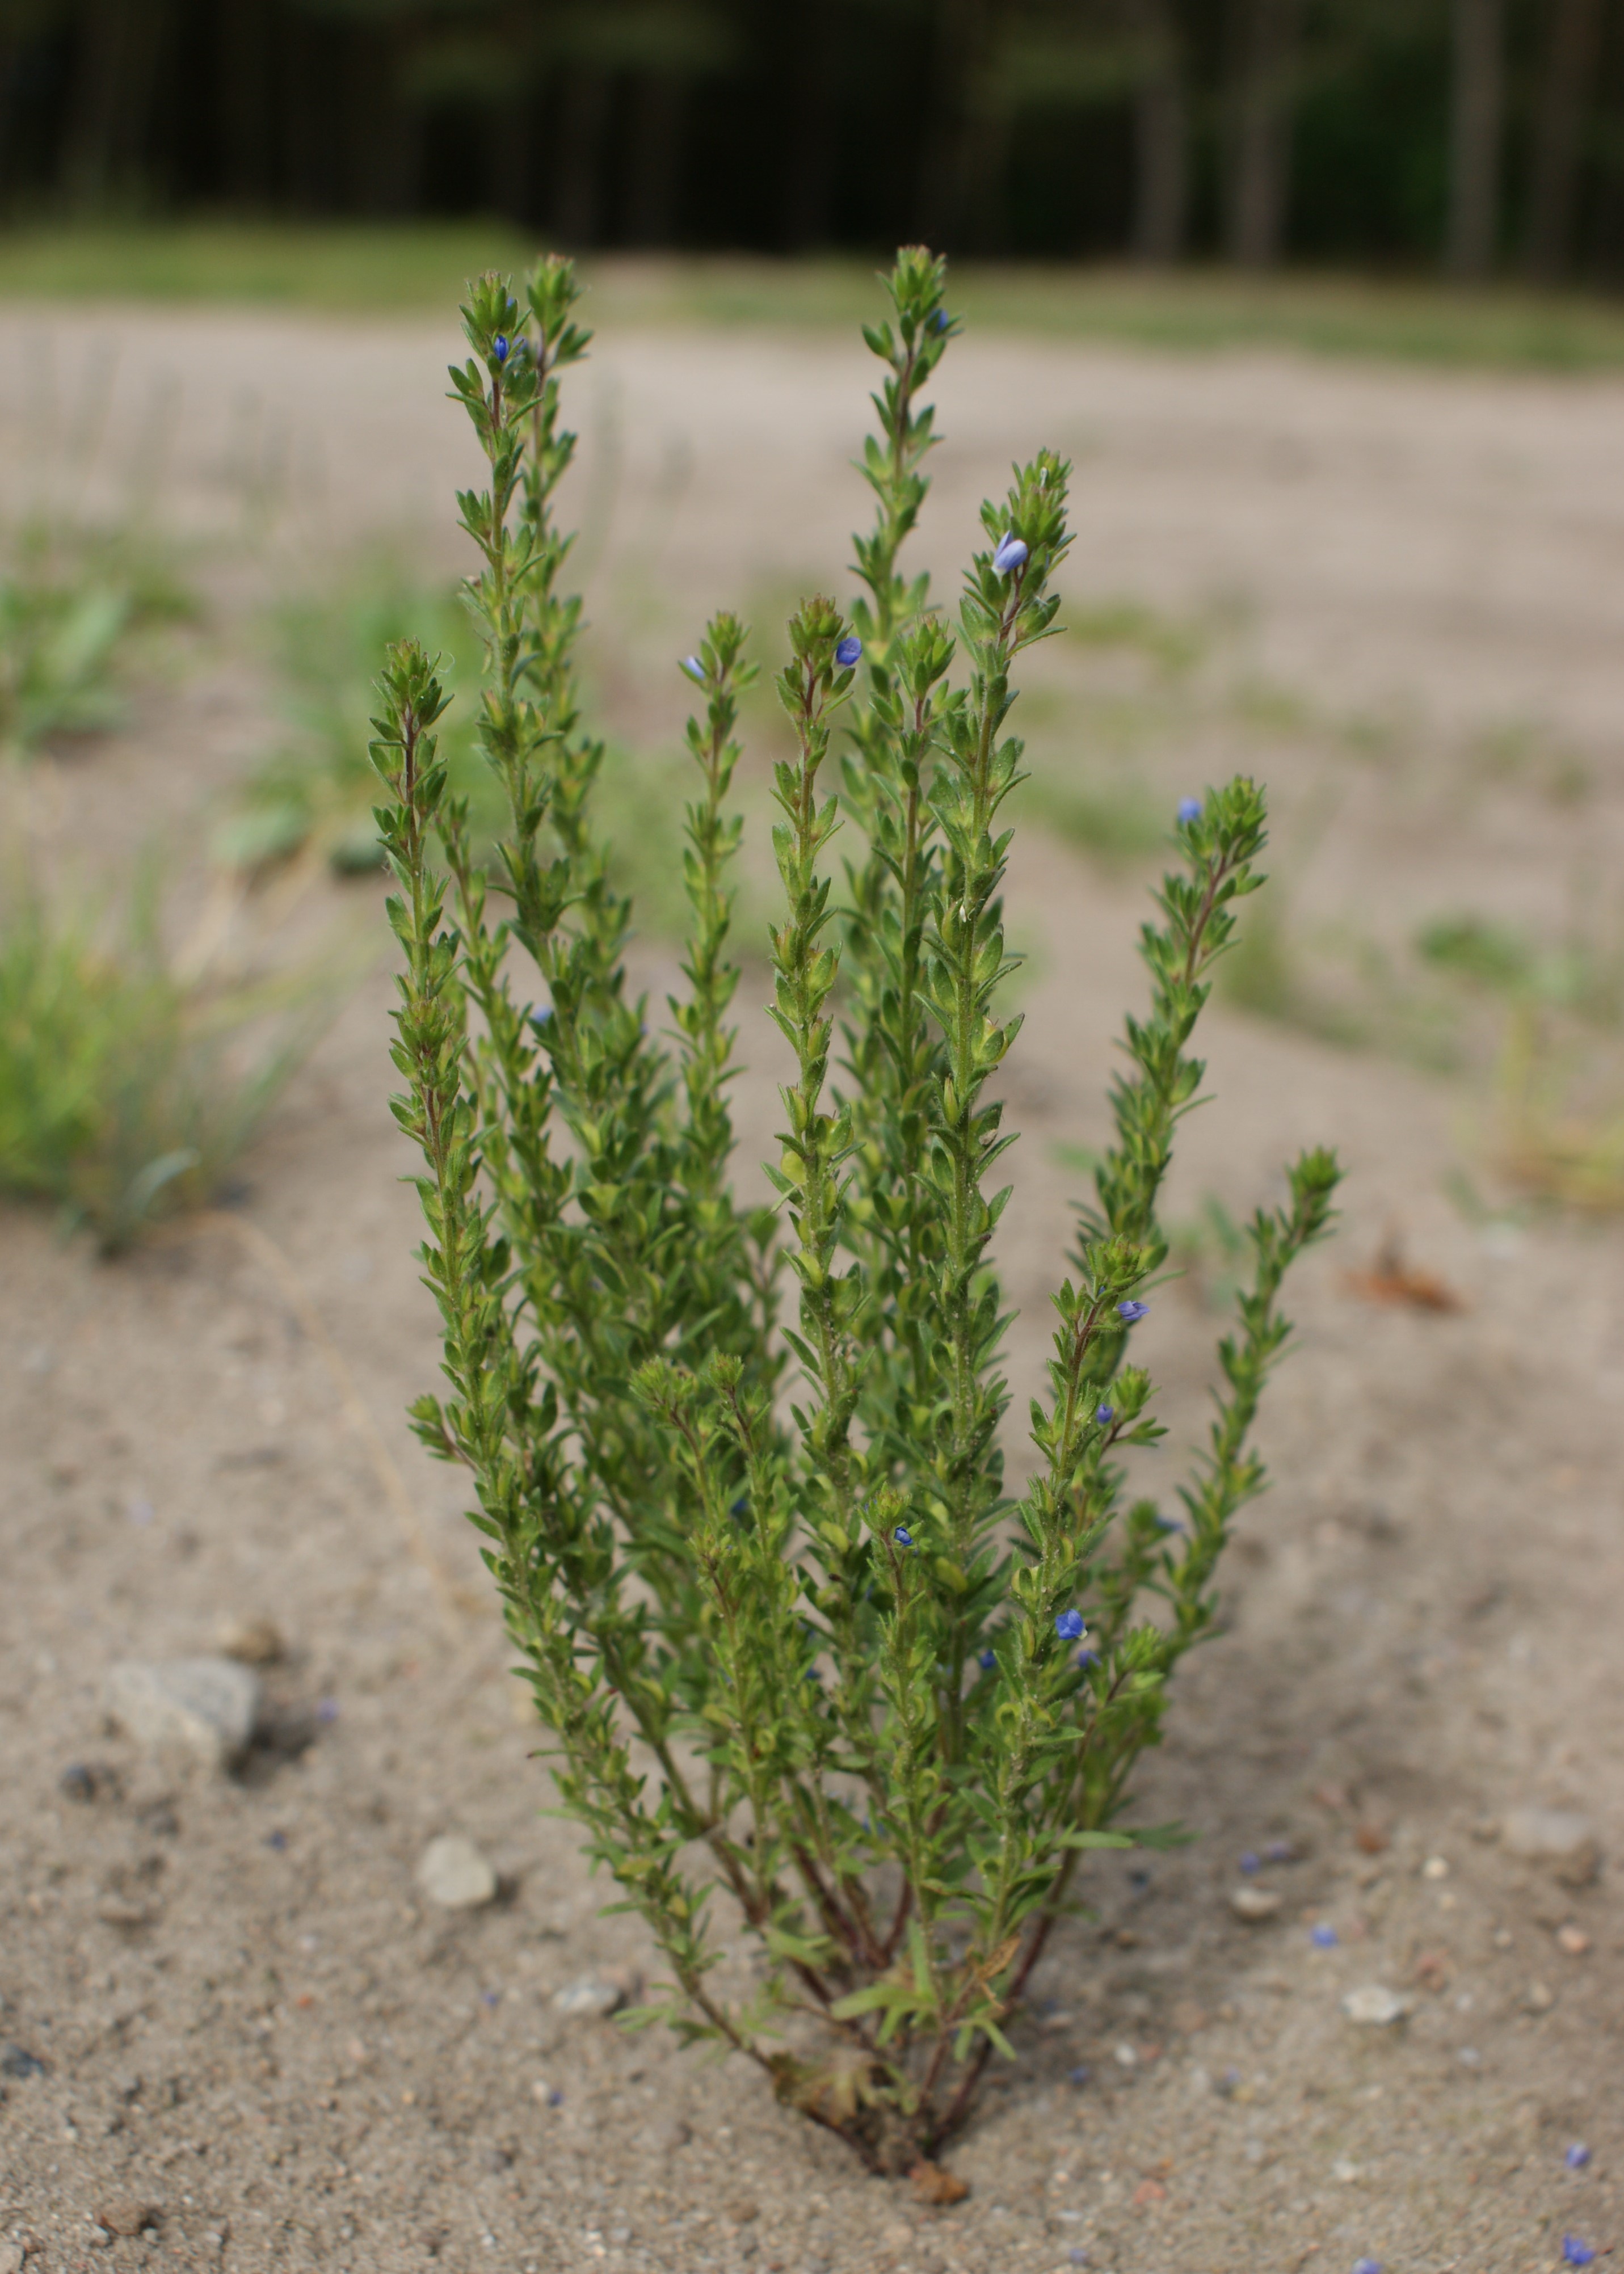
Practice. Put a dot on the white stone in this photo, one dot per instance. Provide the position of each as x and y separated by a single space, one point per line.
1557 1836
205 1706
452 1873
1375 2006
1254 1904
589 1995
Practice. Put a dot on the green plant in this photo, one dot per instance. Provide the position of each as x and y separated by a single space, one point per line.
69 601
801 1650
128 1092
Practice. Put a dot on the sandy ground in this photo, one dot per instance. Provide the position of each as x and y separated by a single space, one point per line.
239 2010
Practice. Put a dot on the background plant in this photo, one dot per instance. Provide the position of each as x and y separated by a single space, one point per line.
69 602
799 1646
128 1090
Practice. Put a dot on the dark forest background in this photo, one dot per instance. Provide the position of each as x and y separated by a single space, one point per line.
1480 136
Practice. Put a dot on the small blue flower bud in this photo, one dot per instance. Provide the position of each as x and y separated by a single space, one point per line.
1070 1627
499 347
1577 2156
1249 1864
939 319
1168 1523
1012 553
986 1660
695 669
1105 1415
903 1536
849 649
1087 1660
1324 1936
1189 810
1131 1312
1575 2253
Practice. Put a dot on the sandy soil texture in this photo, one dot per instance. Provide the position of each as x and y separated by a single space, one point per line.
225 2000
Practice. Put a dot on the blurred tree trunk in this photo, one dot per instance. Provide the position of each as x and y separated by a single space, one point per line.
1162 133
814 138
962 136
247 87
1559 133
1478 118
658 102
578 209
1260 183
117 53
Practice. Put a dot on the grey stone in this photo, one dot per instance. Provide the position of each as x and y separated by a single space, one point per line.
1375 2006
208 1707
590 1996
1254 1904
1557 1836
452 1873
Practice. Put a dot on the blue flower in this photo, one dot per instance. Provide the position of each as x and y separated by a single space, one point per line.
1367 2266
328 1710
1189 810
1575 2253
1105 1415
1577 2156
849 649
1012 553
695 669
1132 1313
278 1840
1251 1863
1324 1936
490 1997
1167 1524
1280 1851
499 347
1087 1660
986 1660
1070 1627
903 1536
1078 2075
940 320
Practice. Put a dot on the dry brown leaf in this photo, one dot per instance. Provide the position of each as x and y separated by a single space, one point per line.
932 2185
1390 1279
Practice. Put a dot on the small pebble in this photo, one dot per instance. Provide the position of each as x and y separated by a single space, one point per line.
1126 2057
1374 2005
1254 1904
1573 1940
17 2061
205 1706
1280 1851
453 1873
127 2214
1538 1998
591 1996
253 1642
1435 1867
1560 1837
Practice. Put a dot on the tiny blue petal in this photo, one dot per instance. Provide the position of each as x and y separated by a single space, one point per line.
1189 810
277 1839
1324 1936
1132 1312
490 1997
1070 1627
328 1710
1577 2156
499 347
903 1536
1367 2266
1105 1415
695 669
1575 2253
849 649
1012 553
1079 2076
939 319
556 2098
1251 1863
1168 1523
1280 1851
1087 1659
986 1660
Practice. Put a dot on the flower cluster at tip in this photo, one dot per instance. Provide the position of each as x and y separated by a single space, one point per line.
848 652
1011 553
1131 1312
1070 1627
1189 810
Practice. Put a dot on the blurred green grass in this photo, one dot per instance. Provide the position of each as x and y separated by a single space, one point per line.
372 269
